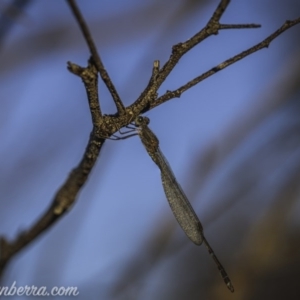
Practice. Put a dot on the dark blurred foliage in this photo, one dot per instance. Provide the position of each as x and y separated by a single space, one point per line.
10 14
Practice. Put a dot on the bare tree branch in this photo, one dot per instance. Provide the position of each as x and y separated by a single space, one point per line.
148 96
264 44
219 11
98 62
90 80
66 195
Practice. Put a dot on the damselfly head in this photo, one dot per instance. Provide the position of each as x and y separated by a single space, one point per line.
139 121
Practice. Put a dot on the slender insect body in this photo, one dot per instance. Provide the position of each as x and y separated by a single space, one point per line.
178 201
148 138
180 206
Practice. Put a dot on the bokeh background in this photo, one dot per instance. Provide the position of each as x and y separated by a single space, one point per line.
233 142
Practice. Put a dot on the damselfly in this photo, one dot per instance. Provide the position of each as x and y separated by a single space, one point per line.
179 203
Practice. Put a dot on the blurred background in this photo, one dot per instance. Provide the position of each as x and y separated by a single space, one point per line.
233 142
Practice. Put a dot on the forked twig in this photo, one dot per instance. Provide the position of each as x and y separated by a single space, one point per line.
98 62
147 97
264 44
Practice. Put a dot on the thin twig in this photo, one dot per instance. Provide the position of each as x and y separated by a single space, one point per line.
180 49
146 98
264 44
219 11
98 62
89 77
238 26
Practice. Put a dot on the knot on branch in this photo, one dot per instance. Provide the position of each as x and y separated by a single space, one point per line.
288 22
88 74
174 94
212 27
176 48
